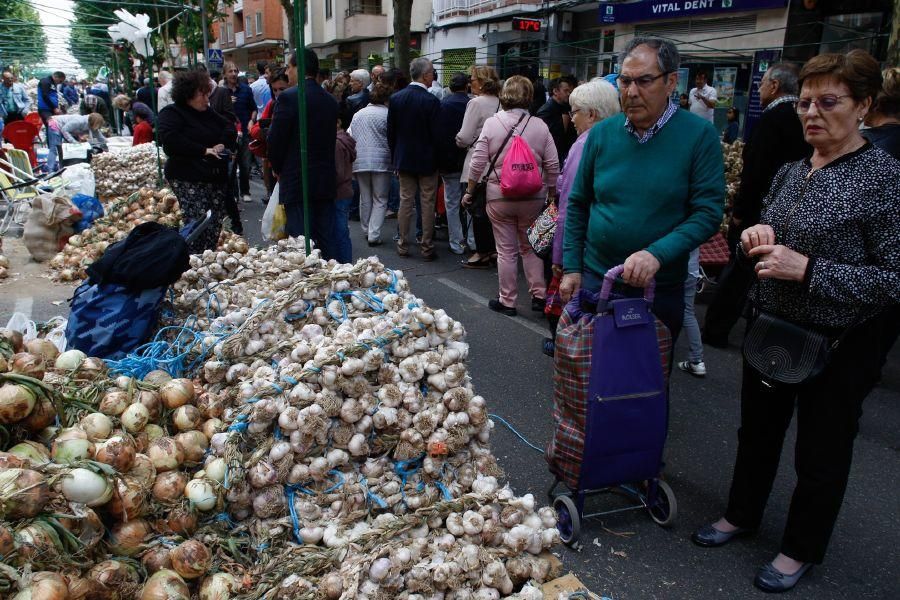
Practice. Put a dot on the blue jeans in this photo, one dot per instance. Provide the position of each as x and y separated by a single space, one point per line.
393 204
691 327
54 143
343 248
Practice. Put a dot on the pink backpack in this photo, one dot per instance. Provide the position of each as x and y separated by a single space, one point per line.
520 176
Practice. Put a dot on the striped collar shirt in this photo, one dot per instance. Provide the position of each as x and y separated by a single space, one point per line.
671 109
782 100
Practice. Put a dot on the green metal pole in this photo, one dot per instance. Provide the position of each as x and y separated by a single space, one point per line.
300 35
111 83
154 102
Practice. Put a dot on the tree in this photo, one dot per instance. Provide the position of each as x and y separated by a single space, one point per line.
22 38
402 23
893 57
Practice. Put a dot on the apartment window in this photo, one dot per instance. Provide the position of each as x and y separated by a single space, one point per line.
229 30
259 24
329 9
248 27
365 7
222 36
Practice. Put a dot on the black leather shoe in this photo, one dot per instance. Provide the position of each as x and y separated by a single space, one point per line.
496 306
538 305
710 537
771 580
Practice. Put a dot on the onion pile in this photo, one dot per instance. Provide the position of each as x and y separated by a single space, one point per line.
123 172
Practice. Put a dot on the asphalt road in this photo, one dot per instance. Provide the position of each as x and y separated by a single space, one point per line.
627 556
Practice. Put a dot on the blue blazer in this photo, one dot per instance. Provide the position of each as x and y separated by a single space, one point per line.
450 157
283 144
411 128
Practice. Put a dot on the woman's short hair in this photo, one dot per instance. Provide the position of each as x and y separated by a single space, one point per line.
517 92
122 102
599 96
887 102
187 84
856 69
487 77
95 121
380 92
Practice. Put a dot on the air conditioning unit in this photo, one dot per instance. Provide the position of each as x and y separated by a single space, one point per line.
565 22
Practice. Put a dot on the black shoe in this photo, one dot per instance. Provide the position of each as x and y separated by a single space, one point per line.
548 347
538 304
482 263
430 257
375 243
710 537
496 306
771 580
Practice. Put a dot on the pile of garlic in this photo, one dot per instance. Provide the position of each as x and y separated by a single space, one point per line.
125 171
121 216
734 163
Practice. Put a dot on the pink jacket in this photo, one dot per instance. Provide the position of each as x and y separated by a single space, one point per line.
495 130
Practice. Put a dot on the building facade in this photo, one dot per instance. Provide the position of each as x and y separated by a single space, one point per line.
251 30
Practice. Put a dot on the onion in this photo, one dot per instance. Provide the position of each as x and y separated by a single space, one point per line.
46 435
127 501
16 402
92 367
36 543
45 586
14 338
42 415
113 574
166 454
127 539
135 417
190 559
87 487
169 486
210 405
151 400
114 403
180 521
142 470
10 461
23 493
211 427
82 588
70 360
157 377
97 426
69 450
165 585
201 493
219 586
26 363
156 559
215 470
7 542
187 418
43 347
117 452
32 452
194 444
141 441
177 392
86 525
154 432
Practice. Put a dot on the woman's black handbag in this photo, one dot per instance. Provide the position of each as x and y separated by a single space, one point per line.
478 205
784 352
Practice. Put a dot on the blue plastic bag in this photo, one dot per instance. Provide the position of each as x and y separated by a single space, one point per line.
91 209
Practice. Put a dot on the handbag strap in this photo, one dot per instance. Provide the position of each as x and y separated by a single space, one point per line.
502 146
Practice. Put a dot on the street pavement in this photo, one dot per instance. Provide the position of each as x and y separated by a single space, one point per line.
626 556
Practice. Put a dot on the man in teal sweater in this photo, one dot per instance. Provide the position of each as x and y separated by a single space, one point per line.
650 187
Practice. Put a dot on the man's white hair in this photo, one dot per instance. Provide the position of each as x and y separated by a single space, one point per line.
165 77
362 76
599 96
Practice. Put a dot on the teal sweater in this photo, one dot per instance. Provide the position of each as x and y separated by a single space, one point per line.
665 196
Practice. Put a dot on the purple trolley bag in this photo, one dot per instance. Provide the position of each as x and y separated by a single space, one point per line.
623 413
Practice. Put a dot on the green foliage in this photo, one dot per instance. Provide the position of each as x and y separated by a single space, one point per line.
22 39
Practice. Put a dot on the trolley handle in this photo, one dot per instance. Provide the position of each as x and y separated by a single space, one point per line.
610 279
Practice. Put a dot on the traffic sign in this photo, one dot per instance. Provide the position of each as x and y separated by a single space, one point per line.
214 58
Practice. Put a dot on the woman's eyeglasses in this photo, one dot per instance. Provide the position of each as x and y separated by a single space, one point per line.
825 103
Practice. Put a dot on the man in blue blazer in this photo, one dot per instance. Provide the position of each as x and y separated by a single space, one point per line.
284 154
450 159
412 120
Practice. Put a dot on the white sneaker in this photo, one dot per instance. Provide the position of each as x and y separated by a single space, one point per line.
247 198
695 369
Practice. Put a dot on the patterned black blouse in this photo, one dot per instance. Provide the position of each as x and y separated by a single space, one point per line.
846 218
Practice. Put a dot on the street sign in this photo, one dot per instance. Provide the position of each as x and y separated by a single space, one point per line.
762 59
214 58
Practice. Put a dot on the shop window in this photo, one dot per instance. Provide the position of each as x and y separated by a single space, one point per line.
259 23
456 59
843 33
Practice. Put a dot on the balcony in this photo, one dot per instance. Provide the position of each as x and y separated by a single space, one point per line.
238 39
363 7
238 6
364 19
452 9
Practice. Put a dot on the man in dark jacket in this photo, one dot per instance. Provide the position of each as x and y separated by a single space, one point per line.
412 115
776 139
48 95
555 113
244 107
284 154
450 158
359 85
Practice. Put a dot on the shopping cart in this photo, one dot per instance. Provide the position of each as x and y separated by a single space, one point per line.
610 438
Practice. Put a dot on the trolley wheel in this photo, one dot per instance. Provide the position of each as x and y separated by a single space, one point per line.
666 508
568 520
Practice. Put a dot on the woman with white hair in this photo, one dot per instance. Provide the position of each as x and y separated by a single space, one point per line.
590 103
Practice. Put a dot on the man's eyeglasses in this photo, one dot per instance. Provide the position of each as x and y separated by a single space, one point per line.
825 103
644 81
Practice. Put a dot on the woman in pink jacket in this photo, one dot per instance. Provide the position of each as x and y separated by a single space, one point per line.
511 216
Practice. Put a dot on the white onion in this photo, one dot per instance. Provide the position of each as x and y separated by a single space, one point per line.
219 586
201 493
215 470
97 426
135 417
70 360
87 487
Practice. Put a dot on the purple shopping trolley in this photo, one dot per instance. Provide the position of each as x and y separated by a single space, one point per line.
610 406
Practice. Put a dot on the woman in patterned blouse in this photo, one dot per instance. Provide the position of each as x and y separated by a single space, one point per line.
827 254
